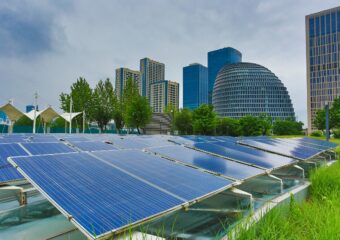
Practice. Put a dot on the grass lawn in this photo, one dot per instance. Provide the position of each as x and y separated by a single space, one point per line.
317 218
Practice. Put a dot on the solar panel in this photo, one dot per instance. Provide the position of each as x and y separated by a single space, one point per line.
8 174
245 155
47 148
295 142
95 196
43 138
10 150
93 146
127 143
188 183
208 162
298 152
318 142
75 138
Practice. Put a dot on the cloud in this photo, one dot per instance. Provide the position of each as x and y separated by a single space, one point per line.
46 45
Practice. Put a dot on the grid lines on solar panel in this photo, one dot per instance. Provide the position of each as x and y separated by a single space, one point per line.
99 198
185 182
47 148
208 162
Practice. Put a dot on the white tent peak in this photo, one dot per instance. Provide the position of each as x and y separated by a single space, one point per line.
69 116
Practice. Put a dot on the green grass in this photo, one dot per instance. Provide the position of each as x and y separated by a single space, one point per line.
317 218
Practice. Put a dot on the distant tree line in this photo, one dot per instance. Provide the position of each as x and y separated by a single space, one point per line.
204 121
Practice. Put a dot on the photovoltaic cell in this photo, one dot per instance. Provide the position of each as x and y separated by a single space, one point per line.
93 146
99 198
208 162
299 152
126 143
8 173
317 142
245 154
188 183
10 150
47 148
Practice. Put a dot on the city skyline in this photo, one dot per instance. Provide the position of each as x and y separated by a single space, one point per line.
68 43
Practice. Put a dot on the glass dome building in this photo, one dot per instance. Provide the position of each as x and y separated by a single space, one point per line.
250 89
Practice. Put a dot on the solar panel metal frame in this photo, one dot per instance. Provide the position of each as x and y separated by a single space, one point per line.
118 230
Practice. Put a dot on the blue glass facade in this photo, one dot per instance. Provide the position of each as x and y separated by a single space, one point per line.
195 86
216 60
250 89
323 60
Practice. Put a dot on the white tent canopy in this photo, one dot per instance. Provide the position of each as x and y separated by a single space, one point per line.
30 114
69 116
12 112
48 114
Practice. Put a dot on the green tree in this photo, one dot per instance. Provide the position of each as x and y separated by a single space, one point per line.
103 103
287 127
250 126
320 119
183 121
228 127
204 120
82 98
265 122
138 113
118 115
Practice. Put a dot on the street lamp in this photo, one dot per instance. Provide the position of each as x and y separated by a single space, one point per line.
327 120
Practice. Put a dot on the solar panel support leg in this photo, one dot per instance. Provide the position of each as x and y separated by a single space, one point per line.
22 198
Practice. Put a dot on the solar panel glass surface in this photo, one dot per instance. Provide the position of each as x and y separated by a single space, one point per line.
99 198
208 162
47 148
245 155
293 151
10 150
93 146
8 173
188 183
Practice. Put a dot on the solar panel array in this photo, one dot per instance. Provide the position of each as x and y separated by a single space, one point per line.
104 183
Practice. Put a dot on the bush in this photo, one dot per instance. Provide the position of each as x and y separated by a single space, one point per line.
228 127
336 133
316 134
287 127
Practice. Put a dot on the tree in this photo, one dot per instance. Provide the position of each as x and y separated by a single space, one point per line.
138 113
118 116
82 98
204 120
320 119
228 127
103 103
265 122
287 127
183 121
250 126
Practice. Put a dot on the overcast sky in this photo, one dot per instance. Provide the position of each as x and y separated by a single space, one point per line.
46 45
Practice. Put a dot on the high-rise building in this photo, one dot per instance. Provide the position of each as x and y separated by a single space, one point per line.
152 71
218 59
162 94
195 86
323 60
122 75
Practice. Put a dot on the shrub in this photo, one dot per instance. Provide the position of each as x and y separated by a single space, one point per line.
336 133
287 127
316 134
228 127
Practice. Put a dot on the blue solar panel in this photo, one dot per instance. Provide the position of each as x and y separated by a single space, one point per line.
127 143
245 154
47 148
43 138
93 146
188 183
10 150
76 138
99 197
9 173
299 152
208 162
295 142
318 142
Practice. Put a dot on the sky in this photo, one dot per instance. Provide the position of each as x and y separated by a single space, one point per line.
46 45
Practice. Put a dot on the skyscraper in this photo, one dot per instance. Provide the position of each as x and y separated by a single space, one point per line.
162 94
323 60
152 71
122 75
216 60
195 85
